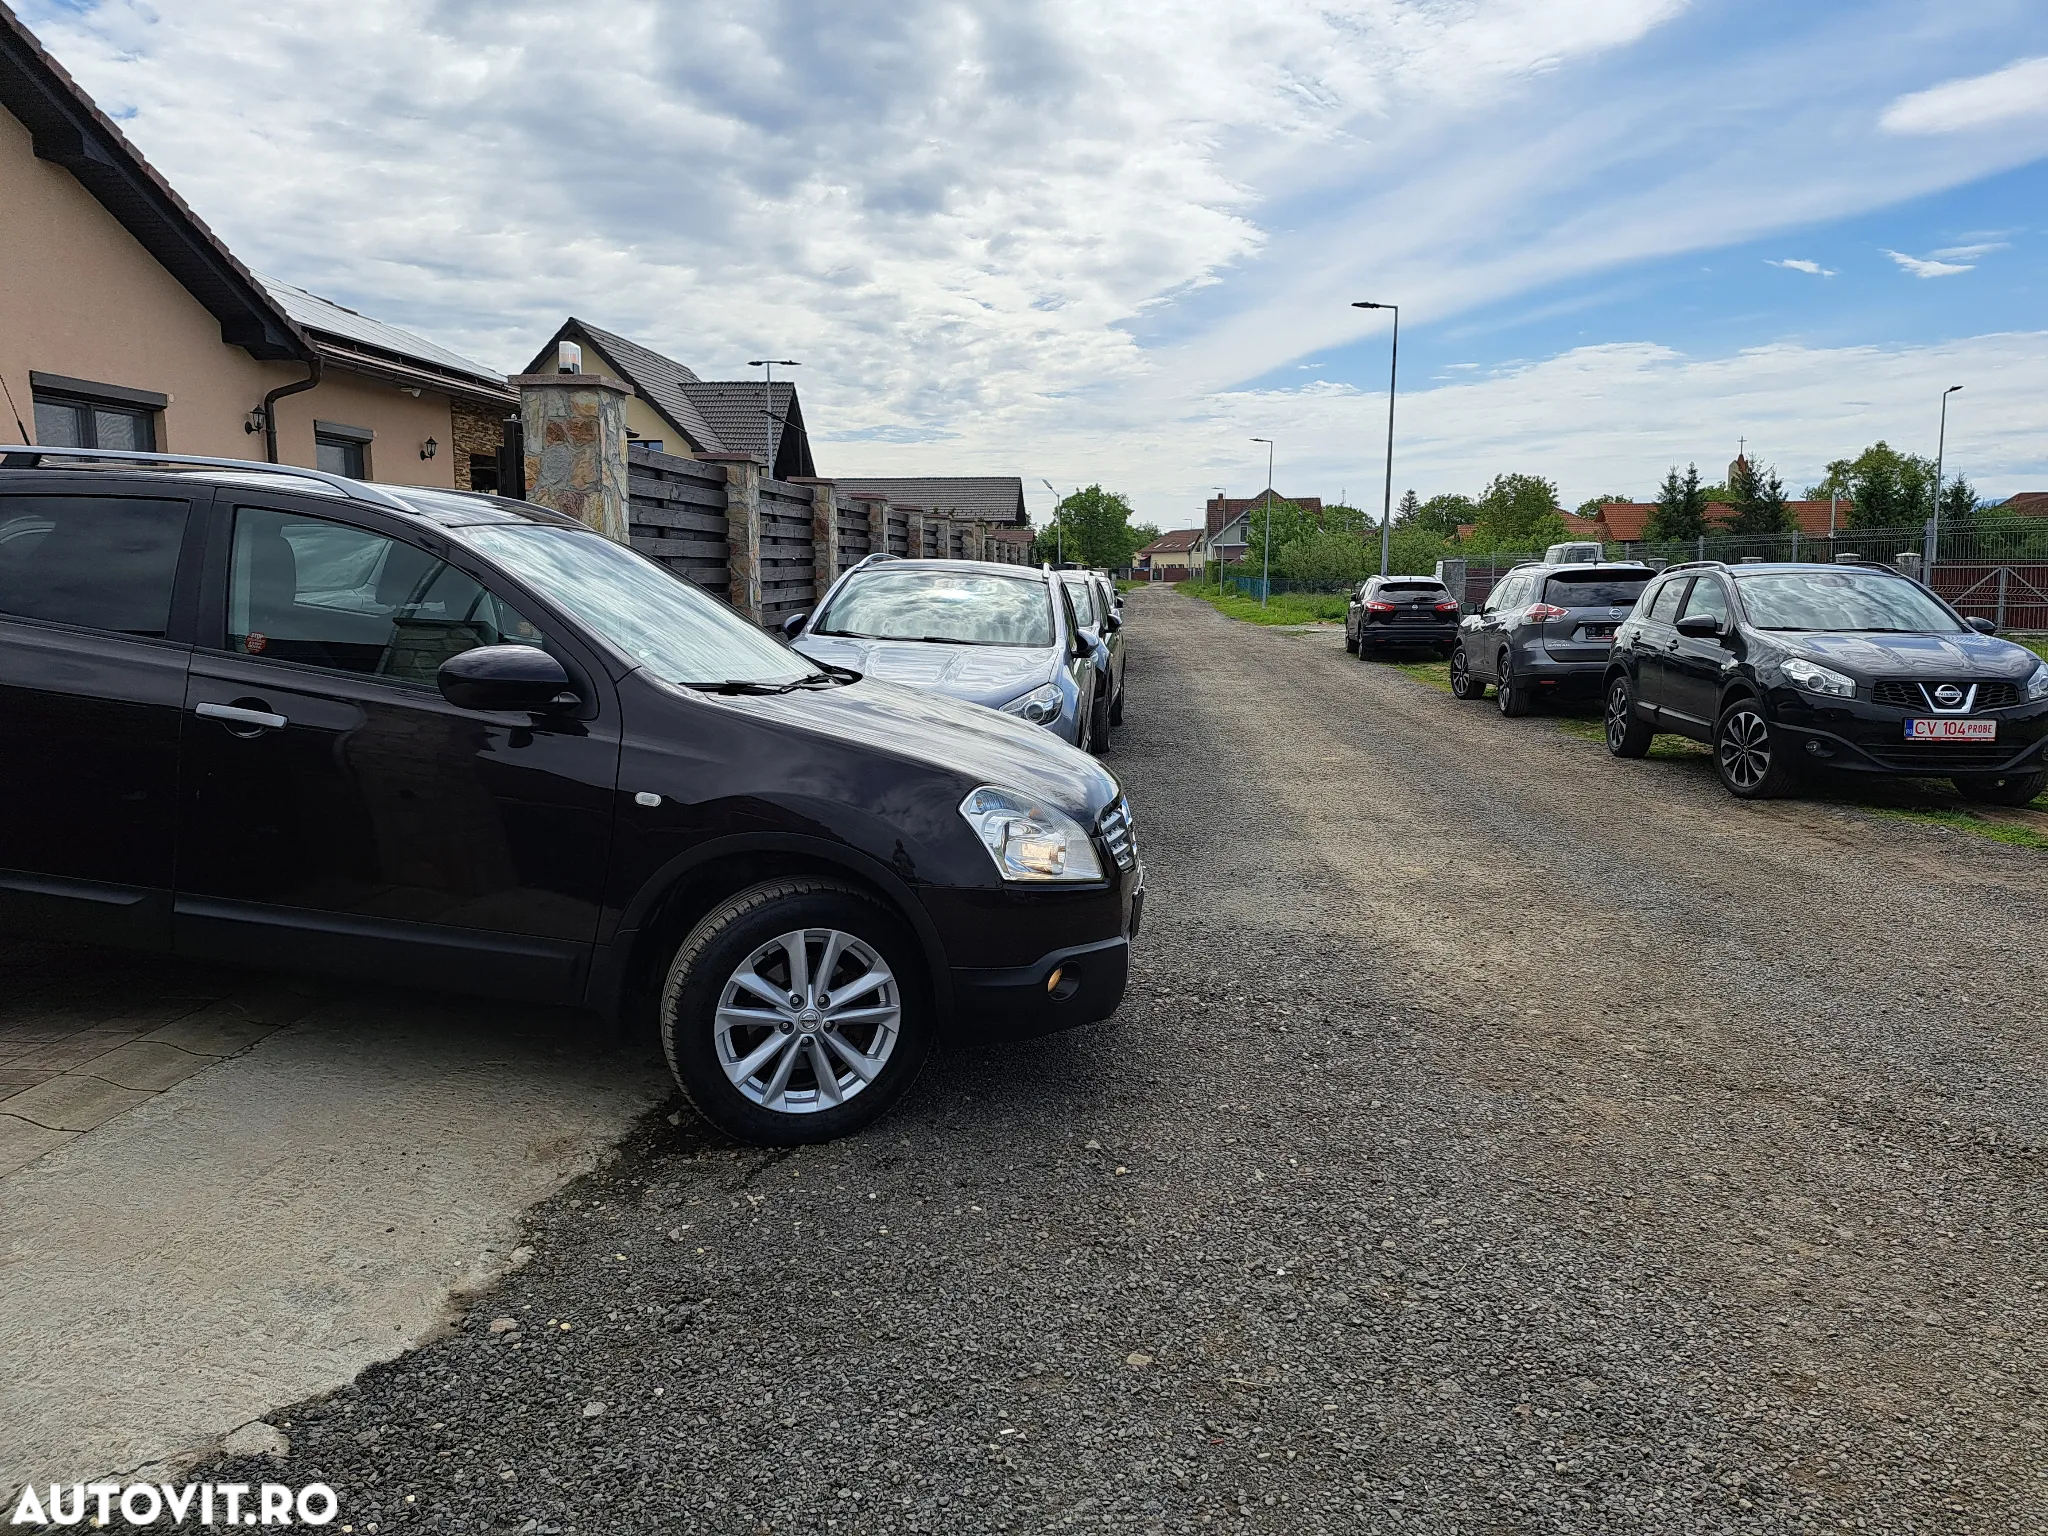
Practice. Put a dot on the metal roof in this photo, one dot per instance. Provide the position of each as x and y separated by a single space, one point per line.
329 318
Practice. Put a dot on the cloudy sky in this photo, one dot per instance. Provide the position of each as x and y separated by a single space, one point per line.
1085 240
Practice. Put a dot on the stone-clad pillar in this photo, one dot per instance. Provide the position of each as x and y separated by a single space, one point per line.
742 529
824 535
575 428
877 508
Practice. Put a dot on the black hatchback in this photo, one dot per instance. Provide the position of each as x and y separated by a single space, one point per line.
1388 613
1785 668
281 718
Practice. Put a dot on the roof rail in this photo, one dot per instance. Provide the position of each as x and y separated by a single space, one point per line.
13 455
1698 565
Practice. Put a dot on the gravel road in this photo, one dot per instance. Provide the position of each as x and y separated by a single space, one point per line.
1497 1138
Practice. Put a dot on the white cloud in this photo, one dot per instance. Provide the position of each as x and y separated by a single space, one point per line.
2018 90
1921 268
1797 264
1970 252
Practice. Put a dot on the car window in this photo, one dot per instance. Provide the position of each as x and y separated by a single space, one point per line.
1707 598
1664 604
962 608
1411 586
327 595
1573 589
1839 601
1082 591
99 562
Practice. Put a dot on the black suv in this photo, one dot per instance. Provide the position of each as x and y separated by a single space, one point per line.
1398 613
285 718
1545 630
1782 667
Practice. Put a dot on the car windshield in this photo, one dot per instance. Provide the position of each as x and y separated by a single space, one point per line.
676 631
1593 590
953 607
1838 601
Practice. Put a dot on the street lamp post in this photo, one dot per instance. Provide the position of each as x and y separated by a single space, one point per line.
1059 526
1223 514
768 395
1940 454
1266 579
1393 377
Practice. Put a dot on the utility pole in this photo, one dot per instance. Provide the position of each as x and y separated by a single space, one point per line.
1266 580
1940 454
1393 378
768 396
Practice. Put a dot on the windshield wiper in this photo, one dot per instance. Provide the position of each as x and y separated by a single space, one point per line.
750 686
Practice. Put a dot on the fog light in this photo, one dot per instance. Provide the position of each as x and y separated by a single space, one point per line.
1052 982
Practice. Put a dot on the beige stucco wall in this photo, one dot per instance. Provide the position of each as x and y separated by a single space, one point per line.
80 298
642 419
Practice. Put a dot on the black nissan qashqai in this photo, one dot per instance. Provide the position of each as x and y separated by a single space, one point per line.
446 739
1785 668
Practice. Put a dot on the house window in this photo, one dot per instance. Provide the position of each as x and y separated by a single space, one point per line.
76 413
483 472
342 450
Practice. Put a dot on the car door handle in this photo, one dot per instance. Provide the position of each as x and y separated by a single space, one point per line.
233 715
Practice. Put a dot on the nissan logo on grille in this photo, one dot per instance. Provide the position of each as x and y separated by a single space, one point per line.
1948 696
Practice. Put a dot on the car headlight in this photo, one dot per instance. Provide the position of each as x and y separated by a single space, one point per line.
1815 678
2037 685
1028 840
1040 705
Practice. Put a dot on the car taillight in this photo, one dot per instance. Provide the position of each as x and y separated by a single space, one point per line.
1446 607
1379 607
1548 611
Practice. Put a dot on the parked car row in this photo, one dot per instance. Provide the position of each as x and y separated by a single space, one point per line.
1045 646
280 717
1781 669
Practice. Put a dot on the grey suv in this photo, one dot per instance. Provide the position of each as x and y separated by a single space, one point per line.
1545 630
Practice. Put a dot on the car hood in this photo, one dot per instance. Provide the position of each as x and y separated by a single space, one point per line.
980 674
1912 657
978 744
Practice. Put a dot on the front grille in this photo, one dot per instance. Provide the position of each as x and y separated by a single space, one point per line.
1898 695
1121 833
1937 759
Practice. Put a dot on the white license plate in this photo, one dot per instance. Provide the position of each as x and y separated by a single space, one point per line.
1951 730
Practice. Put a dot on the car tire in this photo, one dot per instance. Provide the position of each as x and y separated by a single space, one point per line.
1099 724
1508 691
1116 708
1351 644
1463 684
728 1067
1749 755
1628 734
2009 789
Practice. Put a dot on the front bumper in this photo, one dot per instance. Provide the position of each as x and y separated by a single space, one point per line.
1062 990
1860 737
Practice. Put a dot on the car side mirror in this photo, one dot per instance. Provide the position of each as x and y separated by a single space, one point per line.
1700 626
1111 624
1982 626
793 625
506 677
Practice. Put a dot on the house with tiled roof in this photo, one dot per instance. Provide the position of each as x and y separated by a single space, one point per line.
1627 522
130 325
996 499
672 410
1174 556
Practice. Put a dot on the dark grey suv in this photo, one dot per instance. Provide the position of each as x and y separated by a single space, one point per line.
1545 630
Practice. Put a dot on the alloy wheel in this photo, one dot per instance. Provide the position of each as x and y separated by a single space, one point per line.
1744 748
1617 716
808 1020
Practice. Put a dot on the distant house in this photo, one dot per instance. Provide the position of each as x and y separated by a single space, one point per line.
1174 556
125 323
1227 521
996 499
2024 504
1627 522
672 410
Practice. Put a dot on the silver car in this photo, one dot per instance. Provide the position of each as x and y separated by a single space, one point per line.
1004 636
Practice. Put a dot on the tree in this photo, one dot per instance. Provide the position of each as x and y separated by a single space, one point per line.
1324 555
1519 513
1885 488
1758 499
1092 528
1339 518
1681 508
1958 501
1407 508
1289 521
1441 516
